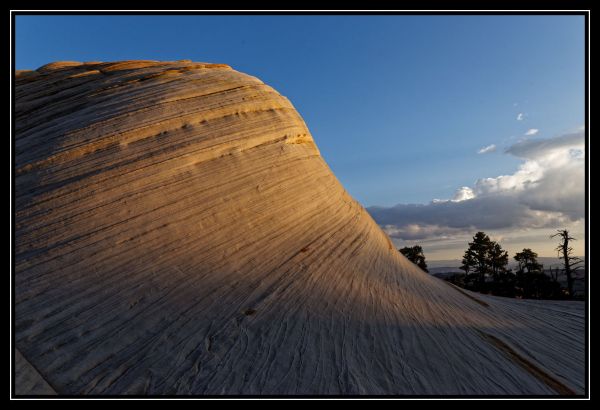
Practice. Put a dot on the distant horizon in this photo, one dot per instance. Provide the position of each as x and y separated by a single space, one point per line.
511 260
460 245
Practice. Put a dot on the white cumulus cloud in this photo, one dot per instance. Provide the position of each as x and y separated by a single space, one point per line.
462 194
532 131
489 148
520 116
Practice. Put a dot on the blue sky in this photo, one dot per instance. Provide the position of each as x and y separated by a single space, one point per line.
398 105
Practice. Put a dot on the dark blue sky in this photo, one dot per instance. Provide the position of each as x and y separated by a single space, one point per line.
398 105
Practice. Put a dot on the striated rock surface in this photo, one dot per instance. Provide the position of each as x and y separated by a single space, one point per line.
177 232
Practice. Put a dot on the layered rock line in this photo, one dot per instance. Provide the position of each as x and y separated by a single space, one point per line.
177 232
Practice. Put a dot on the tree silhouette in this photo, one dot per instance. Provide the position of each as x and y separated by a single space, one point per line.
503 283
527 260
570 263
532 282
476 257
485 265
415 255
484 257
498 260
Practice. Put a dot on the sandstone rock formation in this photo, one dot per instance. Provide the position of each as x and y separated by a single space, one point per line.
177 232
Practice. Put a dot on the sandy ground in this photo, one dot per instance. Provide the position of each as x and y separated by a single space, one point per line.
177 232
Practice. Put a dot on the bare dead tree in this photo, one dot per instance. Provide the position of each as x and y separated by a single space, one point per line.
570 263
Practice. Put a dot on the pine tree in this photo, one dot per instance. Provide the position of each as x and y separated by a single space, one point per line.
527 260
531 279
476 258
498 260
484 257
415 255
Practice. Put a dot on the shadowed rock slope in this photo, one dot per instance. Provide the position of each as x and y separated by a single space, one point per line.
177 232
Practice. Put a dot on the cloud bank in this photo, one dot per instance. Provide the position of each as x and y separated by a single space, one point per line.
547 191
